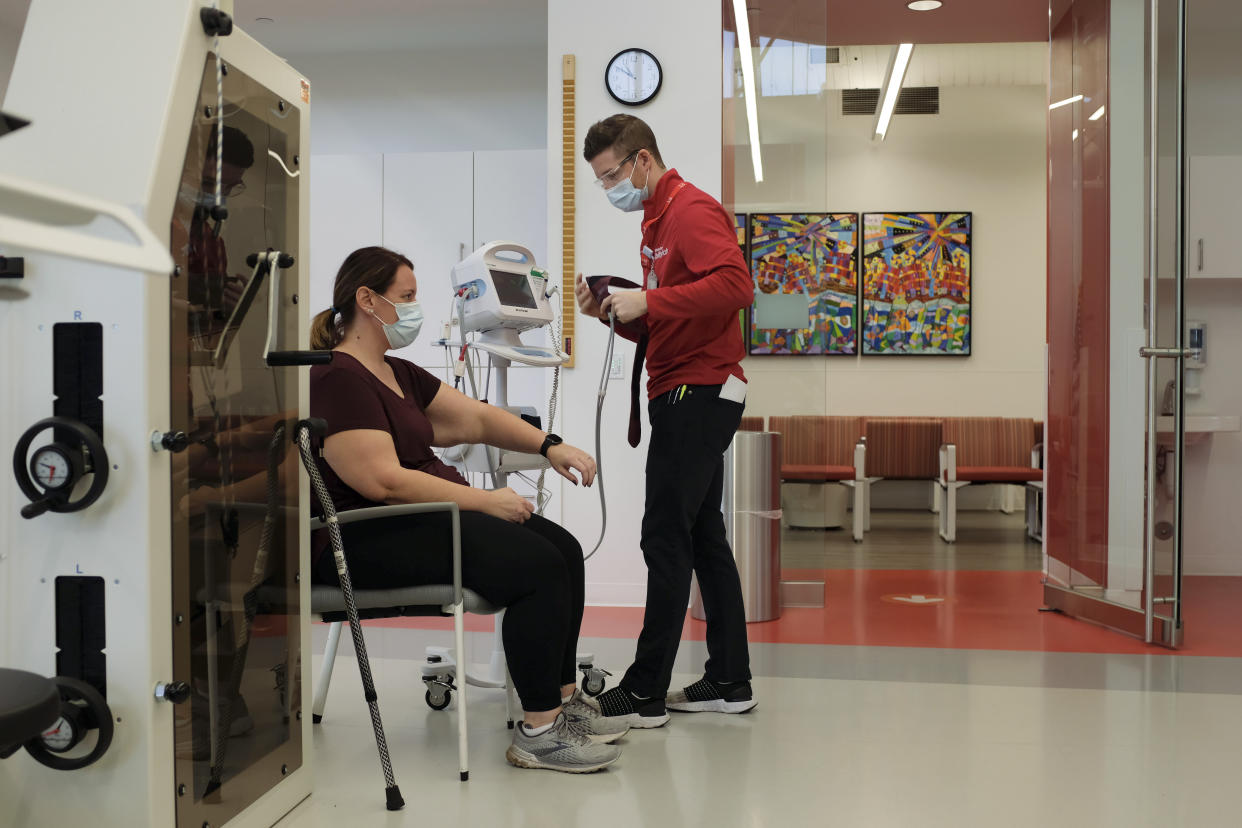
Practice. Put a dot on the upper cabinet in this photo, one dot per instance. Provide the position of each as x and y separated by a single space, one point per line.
1214 195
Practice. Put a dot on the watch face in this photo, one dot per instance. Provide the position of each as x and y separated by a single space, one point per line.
633 77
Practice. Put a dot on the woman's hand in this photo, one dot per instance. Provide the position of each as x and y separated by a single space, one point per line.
564 457
586 299
507 504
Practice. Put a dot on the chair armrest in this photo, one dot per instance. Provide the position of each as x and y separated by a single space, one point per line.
948 463
374 512
860 460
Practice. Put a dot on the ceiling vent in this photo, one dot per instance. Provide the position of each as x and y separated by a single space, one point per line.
821 55
832 54
912 100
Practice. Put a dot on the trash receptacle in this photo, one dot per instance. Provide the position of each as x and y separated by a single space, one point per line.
752 515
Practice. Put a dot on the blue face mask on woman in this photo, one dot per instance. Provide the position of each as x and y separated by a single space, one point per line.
625 196
405 329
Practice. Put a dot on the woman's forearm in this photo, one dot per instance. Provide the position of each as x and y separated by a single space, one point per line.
409 486
510 432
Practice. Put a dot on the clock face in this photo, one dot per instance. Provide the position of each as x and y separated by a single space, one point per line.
633 76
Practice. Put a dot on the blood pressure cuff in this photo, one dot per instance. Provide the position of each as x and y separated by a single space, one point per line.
600 285
636 330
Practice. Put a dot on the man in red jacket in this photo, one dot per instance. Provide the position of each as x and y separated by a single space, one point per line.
694 283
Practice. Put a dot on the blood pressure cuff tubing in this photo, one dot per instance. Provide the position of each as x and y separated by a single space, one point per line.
636 330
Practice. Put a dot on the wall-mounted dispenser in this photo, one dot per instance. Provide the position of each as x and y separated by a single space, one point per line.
1196 342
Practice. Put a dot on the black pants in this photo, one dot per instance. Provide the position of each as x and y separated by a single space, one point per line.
533 569
683 531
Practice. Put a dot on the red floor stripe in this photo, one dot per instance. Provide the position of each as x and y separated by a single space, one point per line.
982 611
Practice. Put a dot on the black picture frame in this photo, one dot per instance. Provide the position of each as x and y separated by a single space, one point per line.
866 349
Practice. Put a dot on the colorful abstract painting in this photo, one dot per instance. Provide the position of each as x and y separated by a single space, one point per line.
916 283
805 267
739 225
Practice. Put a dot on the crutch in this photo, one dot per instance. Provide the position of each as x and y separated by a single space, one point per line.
317 427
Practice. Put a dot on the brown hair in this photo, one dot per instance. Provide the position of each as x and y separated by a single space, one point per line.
623 134
371 267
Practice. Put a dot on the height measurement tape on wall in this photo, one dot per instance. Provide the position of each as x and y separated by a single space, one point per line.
568 263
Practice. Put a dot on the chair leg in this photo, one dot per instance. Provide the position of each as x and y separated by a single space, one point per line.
948 514
937 498
459 637
860 516
867 506
325 672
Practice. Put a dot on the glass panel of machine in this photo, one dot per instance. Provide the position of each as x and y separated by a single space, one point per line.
513 289
234 489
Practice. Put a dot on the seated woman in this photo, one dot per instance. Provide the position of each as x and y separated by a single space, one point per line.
384 414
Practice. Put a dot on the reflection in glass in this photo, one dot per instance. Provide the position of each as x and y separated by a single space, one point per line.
234 490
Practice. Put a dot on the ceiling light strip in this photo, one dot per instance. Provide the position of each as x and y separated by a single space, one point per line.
892 87
748 84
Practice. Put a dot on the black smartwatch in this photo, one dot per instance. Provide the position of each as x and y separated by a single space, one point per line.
548 442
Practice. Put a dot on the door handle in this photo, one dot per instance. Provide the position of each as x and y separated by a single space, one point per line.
1165 353
1200 255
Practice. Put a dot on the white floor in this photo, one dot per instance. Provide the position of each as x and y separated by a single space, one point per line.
816 751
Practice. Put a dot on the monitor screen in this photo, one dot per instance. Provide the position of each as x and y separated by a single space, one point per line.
513 289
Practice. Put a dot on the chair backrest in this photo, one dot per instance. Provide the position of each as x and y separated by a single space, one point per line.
817 440
991 441
751 424
903 448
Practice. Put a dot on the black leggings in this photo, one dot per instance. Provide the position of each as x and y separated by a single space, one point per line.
533 569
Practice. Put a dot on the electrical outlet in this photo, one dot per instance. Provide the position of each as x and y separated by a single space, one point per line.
617 369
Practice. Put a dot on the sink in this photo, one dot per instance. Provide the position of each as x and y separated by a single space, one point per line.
1199 427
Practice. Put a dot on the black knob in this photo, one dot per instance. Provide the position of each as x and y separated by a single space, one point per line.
173 691
215 22
175 441
284 260
38 507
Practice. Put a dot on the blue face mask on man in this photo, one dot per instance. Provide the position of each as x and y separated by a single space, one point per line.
626 197
405 329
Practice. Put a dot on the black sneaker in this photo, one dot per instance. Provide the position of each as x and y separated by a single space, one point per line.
620 705
705 696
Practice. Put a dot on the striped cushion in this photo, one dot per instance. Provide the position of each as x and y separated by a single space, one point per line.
816 474
817 440
999 474
991 441
903 448
751 424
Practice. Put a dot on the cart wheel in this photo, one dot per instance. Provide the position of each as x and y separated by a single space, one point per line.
438 701
593 685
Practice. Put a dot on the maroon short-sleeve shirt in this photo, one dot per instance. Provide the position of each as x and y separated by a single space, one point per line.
348 397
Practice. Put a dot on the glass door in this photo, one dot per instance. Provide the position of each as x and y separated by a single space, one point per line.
1117 339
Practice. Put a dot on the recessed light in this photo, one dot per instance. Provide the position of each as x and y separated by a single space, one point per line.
924 5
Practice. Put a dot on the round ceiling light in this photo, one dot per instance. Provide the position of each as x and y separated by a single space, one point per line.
924 5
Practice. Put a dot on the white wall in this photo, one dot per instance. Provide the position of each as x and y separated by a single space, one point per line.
686 120
985 152
426 100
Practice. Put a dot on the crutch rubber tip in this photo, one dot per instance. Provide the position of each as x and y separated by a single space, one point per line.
465 776
316 718
511 724
395 802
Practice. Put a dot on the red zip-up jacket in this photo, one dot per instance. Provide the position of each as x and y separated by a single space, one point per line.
702 281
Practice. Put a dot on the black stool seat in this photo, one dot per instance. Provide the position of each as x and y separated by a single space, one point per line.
29 704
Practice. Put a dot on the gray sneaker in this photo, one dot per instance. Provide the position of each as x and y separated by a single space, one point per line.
563 747
582 710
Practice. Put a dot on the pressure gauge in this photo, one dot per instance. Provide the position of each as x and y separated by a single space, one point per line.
53 467
61 736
